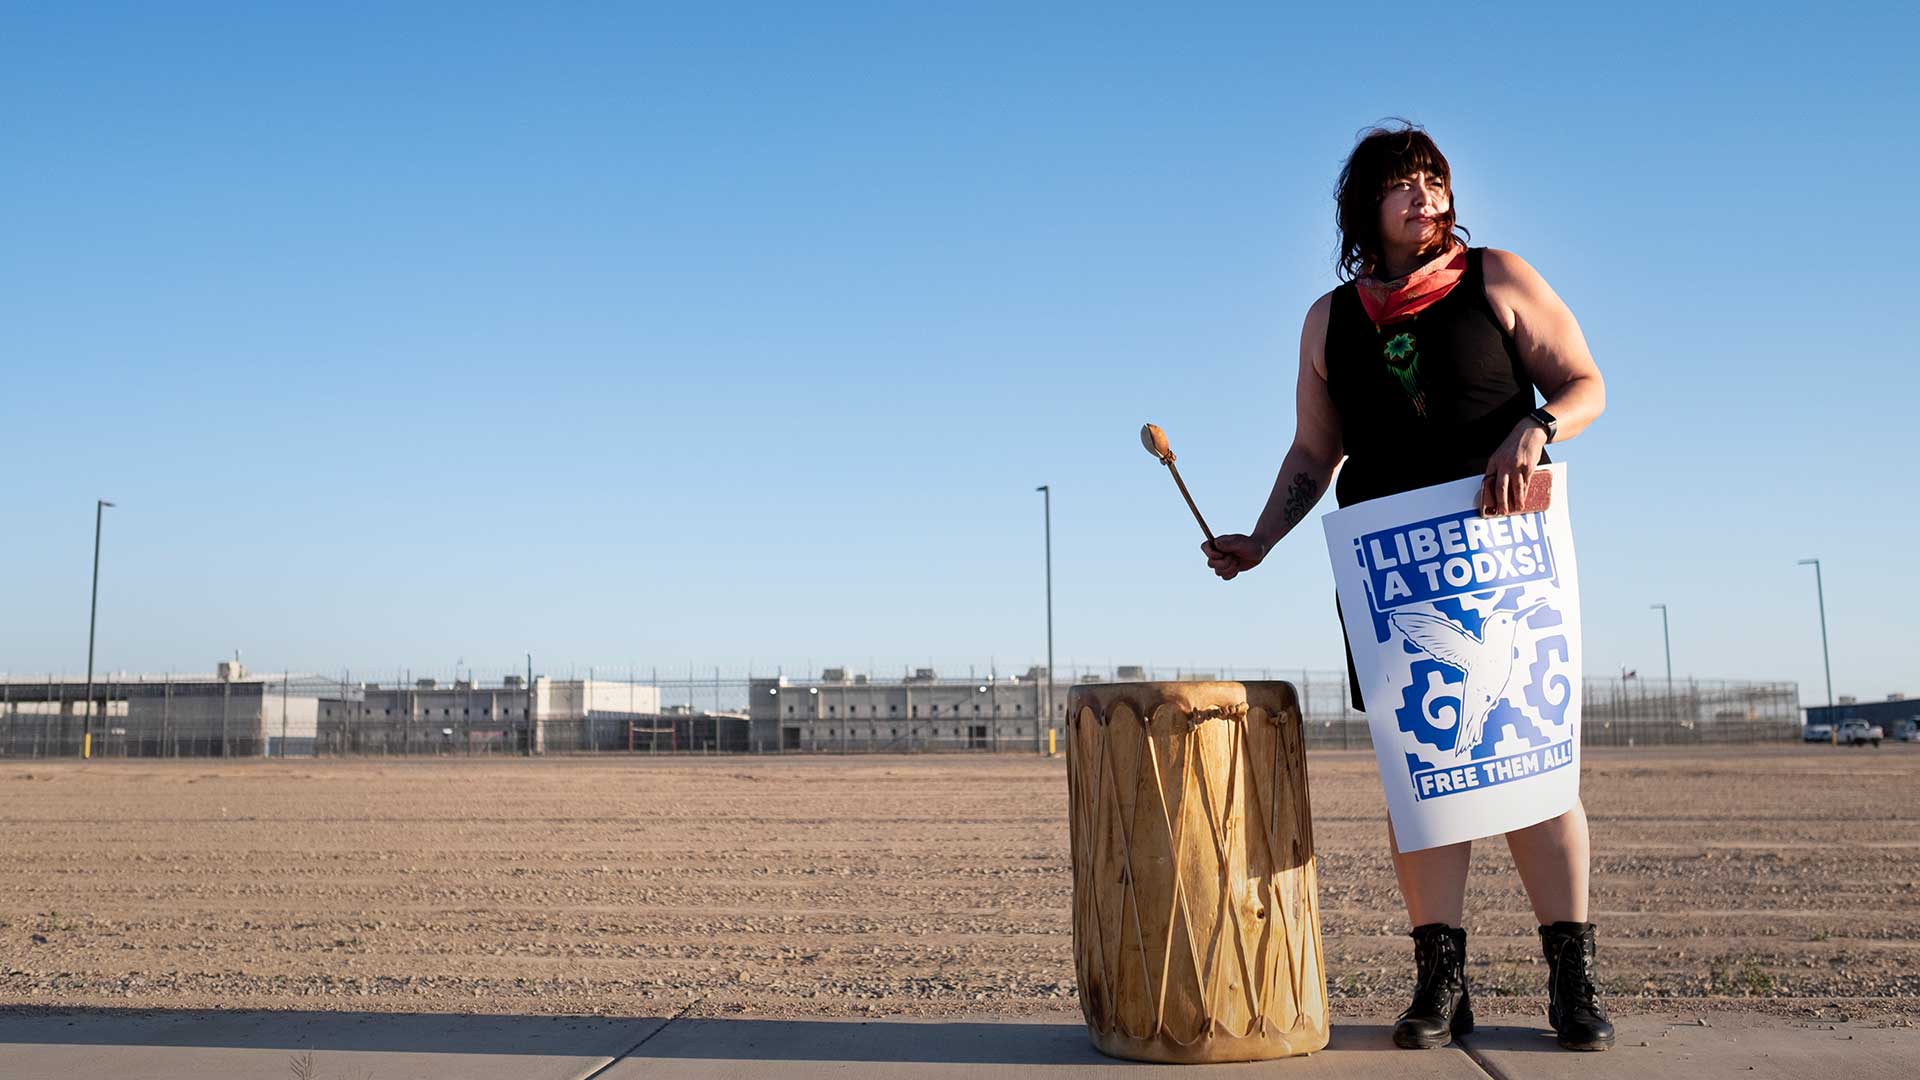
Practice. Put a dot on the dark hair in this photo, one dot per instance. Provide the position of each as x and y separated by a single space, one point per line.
1382 156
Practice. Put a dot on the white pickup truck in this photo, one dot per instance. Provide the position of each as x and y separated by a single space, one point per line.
1859 733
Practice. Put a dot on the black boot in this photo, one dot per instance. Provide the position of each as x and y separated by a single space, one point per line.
1571 1008
1441 1008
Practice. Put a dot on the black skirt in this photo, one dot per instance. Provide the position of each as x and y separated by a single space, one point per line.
1353 676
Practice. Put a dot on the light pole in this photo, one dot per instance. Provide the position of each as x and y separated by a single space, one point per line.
1667 638
93 614
1046 496
813 724
1826 658
993 702
977 691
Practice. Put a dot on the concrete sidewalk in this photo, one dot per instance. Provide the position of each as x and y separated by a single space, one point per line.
165 1045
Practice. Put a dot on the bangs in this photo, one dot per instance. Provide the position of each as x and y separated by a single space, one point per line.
1398 155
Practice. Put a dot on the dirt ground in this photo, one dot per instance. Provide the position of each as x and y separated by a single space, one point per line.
1781 878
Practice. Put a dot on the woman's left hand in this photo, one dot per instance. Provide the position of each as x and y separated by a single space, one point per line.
1505 486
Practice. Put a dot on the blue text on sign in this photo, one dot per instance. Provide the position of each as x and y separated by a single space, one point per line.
1434 783
1454 555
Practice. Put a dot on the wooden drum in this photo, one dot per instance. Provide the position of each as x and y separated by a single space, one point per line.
1196 916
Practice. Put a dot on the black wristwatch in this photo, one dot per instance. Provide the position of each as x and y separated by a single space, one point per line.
1545 419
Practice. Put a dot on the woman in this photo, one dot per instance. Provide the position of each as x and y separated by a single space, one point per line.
1421 369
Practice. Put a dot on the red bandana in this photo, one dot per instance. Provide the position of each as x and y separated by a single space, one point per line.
1403 298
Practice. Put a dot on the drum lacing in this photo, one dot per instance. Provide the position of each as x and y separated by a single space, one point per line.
1217 712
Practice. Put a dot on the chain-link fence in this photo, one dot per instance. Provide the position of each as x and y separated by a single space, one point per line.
159 717
298 715
1614 711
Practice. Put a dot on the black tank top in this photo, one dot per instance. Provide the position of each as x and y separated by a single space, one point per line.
1423 400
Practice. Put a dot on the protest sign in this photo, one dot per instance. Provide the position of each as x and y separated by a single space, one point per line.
1465 633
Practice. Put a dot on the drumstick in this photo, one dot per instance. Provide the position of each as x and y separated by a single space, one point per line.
1155 441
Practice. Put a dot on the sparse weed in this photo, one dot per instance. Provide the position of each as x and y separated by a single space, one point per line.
303 1068
1748 978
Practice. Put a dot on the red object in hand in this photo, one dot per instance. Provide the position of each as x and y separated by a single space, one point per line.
1539 495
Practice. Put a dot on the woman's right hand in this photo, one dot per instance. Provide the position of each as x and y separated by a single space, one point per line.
1233 553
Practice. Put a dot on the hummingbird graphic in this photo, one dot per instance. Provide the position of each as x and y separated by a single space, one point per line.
1486 661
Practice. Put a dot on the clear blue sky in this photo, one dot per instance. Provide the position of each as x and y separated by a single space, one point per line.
743 333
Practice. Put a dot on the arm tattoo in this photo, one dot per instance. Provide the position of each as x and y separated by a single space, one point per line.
1300 498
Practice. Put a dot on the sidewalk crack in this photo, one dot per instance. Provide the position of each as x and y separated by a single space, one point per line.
1479 1059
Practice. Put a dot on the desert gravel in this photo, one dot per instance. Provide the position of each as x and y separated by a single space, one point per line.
1784 878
